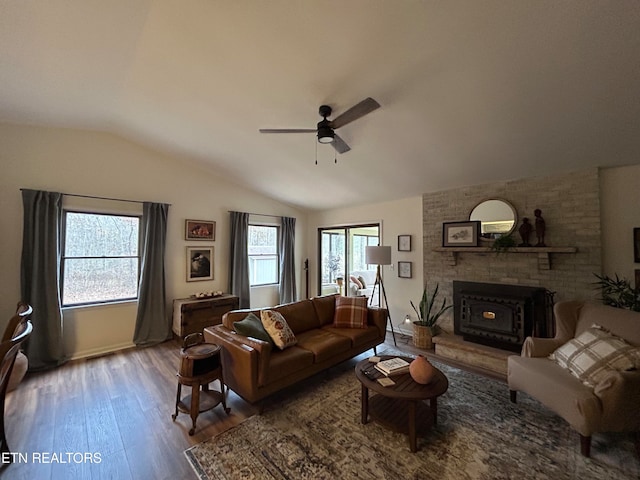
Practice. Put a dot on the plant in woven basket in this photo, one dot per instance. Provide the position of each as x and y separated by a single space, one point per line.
428 312
618 292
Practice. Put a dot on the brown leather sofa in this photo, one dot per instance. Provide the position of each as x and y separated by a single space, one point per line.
610 406
254 369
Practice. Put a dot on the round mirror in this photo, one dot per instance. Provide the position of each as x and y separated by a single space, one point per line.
497 217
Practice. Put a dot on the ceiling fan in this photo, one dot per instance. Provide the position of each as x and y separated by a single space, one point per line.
326 128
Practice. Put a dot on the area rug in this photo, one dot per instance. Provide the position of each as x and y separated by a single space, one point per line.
315 433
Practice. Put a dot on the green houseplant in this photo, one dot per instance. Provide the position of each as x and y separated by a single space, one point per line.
428 315
618 292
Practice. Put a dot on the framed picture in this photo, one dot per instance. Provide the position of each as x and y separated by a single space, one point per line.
200 230
404 243
404 269
637 285
199 263
460 234
636 245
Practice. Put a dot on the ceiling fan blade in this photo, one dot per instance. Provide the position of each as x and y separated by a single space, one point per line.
367 105
287 130
340 145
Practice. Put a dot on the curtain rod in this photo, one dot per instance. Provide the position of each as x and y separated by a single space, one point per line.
96 197
256 214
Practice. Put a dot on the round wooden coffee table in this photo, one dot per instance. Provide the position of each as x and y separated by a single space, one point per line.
400 407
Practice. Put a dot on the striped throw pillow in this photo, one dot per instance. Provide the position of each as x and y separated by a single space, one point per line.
351 312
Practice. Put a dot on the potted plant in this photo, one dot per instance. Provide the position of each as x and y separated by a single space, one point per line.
618 292
428 315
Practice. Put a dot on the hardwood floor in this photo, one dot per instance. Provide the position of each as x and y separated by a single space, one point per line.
114 414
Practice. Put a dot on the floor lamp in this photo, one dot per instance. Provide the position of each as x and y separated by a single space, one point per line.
380 256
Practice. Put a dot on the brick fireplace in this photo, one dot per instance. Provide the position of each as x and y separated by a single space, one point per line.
570 204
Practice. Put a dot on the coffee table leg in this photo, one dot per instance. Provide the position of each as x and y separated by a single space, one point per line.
433 405
365 404
412 427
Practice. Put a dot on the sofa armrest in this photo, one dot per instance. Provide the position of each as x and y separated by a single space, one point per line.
378 317
245 359
619 393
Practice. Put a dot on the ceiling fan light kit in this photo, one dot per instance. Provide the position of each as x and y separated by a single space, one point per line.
325 129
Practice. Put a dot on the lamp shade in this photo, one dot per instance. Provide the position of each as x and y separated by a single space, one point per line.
378 255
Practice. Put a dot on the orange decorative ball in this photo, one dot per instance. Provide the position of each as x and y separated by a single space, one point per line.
421 370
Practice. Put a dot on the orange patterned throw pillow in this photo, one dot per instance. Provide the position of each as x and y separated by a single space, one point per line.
351 312
278 329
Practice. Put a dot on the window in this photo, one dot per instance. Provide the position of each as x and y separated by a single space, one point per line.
263 255
101 258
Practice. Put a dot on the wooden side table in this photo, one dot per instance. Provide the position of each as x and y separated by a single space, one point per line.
199 365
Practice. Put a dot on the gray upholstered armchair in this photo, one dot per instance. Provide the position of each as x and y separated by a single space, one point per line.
611 404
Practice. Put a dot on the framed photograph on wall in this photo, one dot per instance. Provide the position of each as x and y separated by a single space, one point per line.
200 230
404 243
460 234
199 263
404 269
636 245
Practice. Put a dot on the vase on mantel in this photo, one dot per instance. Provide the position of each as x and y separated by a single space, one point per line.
421 370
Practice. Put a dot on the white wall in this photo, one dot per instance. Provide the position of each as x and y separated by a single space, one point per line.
401 217
91 163
620 204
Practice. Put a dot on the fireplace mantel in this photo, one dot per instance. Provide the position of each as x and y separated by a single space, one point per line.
543 253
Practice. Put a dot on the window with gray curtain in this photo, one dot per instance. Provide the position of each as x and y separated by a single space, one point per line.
287 260
239 258
153 325
40 277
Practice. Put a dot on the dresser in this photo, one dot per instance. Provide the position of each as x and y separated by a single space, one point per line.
192 315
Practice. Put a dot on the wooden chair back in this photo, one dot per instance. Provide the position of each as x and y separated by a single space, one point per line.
23 312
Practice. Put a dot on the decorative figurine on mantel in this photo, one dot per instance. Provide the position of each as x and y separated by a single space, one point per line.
525 232
540 227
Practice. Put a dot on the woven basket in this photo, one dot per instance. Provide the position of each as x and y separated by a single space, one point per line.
422 337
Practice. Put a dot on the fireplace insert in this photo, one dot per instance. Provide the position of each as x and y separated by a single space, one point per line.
500 315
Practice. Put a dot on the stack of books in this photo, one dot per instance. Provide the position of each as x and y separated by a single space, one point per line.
393 366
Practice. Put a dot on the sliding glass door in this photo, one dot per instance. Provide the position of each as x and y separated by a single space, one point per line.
343 267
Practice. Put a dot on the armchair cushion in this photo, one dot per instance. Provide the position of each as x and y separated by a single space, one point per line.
278 329
594 353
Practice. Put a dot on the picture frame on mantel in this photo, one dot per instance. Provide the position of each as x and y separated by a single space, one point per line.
404 243
461 234
636 245
199 264
200 230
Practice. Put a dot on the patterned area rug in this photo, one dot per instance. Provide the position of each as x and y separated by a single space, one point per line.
316 434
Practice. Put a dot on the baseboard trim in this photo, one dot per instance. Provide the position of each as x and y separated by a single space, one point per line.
99 352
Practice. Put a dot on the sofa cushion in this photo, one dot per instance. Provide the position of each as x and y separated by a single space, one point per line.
251 326
594 353
323 344
278 329
356 282
325 308
301 316
357 336
286 362
351 312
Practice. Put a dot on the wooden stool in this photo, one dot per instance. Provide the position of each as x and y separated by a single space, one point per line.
199 365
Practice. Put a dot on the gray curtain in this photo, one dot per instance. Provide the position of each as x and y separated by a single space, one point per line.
40 276
153 325
239 258
287 260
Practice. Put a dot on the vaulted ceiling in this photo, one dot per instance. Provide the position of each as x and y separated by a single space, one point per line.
470 91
